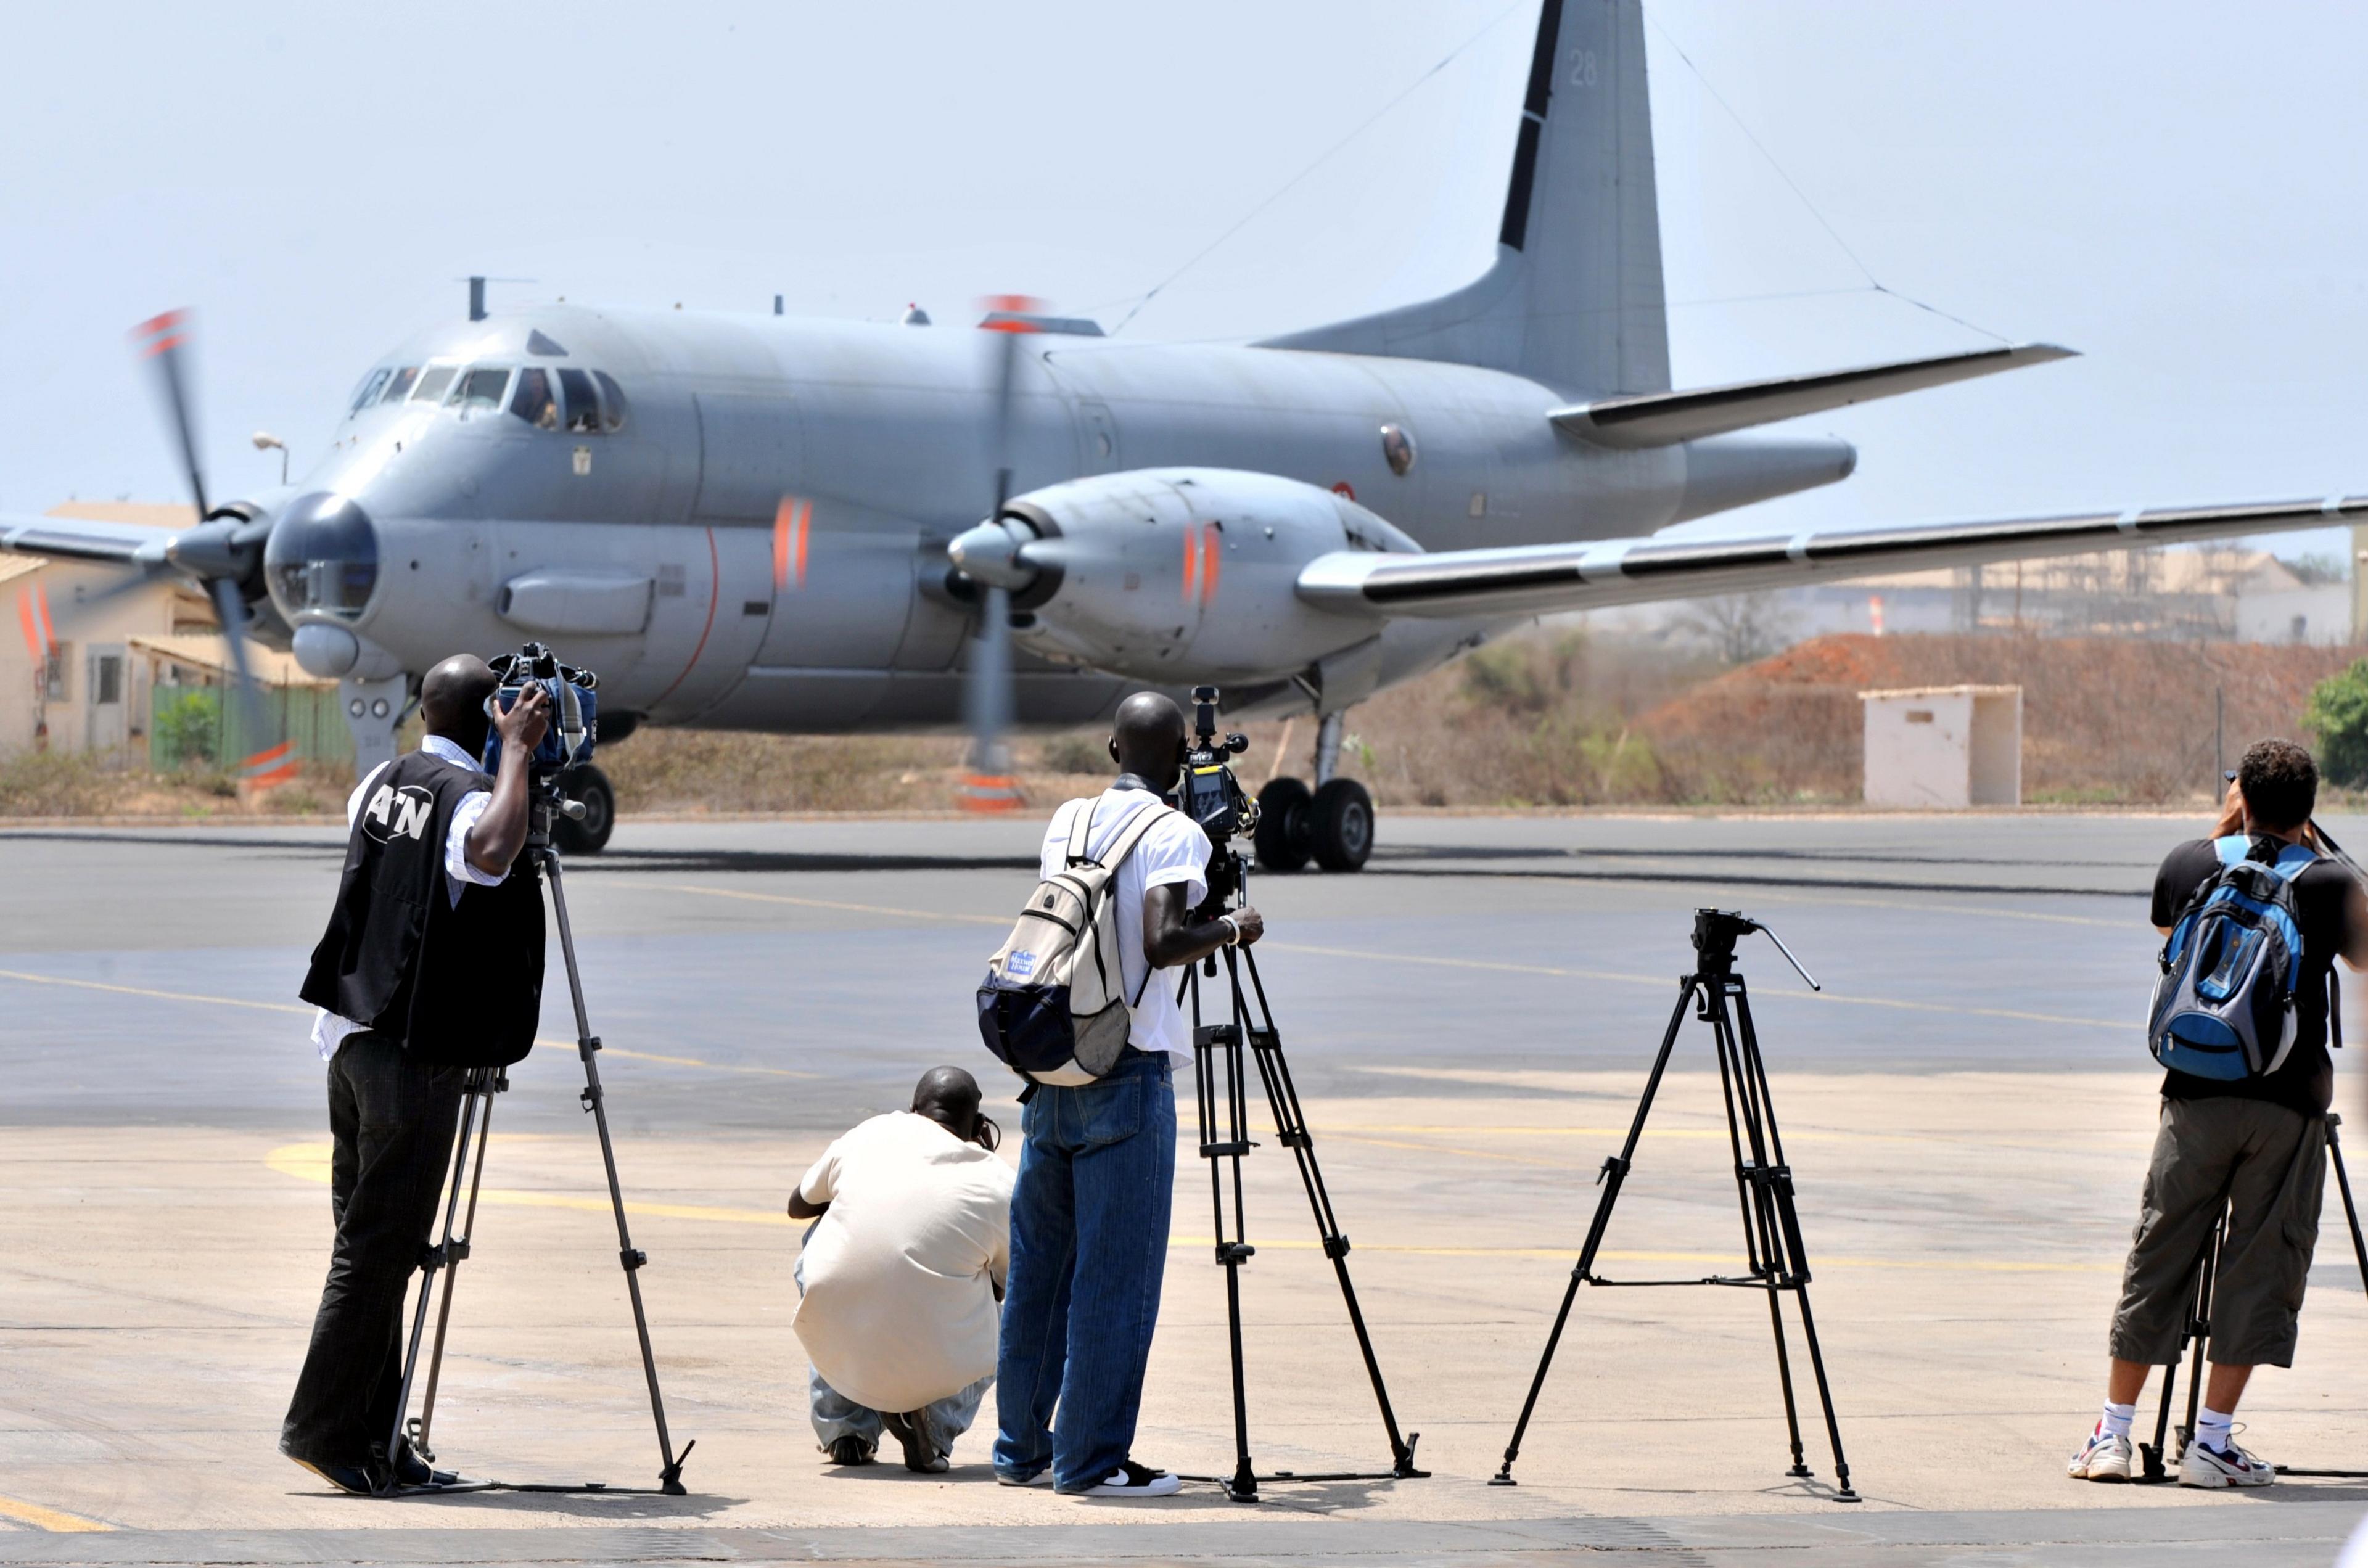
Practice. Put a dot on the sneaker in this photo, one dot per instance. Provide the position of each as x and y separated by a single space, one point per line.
2201 1465
2103 1457
921 1454
1131 1479
1042 1478
848 1451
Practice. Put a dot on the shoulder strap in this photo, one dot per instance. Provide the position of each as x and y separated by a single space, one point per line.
1144 818
2232 849
1081 827
2293 861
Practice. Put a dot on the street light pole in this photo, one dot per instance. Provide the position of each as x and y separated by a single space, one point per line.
265 441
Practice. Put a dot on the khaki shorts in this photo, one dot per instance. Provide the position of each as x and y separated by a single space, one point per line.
2268 1162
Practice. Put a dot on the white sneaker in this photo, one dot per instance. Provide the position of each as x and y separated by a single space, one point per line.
2103 1457
1131 1479
1042 1478
2232 1466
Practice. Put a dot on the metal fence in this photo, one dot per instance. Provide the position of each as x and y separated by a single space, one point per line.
194 727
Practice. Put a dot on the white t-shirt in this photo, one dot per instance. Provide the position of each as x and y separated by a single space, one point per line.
901 1274
329 1030
1174 850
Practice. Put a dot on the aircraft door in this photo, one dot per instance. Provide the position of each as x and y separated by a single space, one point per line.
751 451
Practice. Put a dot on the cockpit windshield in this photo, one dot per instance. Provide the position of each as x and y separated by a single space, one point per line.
480 389
399 386
533 400
582 404
433 382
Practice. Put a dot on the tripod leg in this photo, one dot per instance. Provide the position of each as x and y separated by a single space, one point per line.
2203 1325
1762 1244
1787 1248
433 1259
1615 1173
457 1248
631 1257
1216 1063
2343 1185
1291 1132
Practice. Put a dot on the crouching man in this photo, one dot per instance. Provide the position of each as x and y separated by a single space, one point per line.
902 1273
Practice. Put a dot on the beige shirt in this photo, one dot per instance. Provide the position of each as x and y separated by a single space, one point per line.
901 1274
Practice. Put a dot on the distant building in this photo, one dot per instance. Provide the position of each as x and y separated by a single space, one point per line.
2216 595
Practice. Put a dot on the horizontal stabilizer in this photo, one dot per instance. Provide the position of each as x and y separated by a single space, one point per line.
1663 419
1534 579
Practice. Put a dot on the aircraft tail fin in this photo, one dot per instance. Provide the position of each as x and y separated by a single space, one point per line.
1575 298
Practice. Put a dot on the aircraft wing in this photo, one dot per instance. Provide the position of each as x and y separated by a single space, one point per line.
1534 579
82 539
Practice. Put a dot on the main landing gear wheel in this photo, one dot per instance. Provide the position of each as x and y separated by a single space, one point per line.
1340 822
590 786
1283 841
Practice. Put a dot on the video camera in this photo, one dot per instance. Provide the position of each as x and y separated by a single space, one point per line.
1209 793
574 722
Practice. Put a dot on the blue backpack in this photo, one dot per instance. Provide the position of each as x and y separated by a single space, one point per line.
2224 1006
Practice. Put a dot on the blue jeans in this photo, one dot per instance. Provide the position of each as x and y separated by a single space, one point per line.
1089 1248
835 1415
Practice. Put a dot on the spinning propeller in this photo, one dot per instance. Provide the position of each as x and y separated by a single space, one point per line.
223 556
988 785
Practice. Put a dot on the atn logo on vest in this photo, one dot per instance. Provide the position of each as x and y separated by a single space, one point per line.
398 814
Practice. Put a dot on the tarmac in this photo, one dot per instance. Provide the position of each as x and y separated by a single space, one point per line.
1966 1108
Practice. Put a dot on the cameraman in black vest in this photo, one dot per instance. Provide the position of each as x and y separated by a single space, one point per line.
432 964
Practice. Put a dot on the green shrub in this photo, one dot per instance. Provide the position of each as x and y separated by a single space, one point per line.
2337 715
186 725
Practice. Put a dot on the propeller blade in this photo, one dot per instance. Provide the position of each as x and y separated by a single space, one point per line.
987 696
266 765
164 342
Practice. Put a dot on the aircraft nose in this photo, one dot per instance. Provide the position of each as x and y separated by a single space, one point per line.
989 553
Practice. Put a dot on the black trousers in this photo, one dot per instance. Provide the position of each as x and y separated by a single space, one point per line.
392 1118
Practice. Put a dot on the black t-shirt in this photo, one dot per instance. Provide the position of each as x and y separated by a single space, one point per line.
2334 919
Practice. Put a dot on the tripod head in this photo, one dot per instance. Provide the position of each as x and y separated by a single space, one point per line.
1716 932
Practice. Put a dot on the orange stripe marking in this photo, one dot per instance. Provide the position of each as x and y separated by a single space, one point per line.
25 620
1191 565
805 526
1212 561
48 628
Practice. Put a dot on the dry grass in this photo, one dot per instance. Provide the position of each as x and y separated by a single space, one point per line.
1545 718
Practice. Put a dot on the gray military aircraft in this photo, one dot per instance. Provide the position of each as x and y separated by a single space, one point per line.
755 522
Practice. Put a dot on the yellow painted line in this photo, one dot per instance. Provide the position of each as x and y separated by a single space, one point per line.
55 1520
145 990
1719 1260
1664 982
310 1162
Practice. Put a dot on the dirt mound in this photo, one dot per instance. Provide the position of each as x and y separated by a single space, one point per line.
2103 720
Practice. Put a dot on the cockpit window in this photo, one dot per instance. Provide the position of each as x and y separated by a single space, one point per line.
613 397
433 382
372 385
480 389
533 400
582 405
401 385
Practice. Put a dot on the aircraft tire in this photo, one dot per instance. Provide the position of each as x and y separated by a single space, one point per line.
589 837
1340 819
1283 841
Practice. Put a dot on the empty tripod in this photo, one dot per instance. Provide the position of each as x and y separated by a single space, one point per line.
1776 1262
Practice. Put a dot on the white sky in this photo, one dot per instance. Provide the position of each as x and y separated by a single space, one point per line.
2176 189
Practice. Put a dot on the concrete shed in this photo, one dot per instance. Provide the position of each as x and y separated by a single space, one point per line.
1944 747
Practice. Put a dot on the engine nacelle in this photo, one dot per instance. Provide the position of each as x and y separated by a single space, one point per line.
1155 573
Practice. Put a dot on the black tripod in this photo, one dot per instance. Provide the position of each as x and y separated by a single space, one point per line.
2154 1464
1224 1139
1763 1183
478 1090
